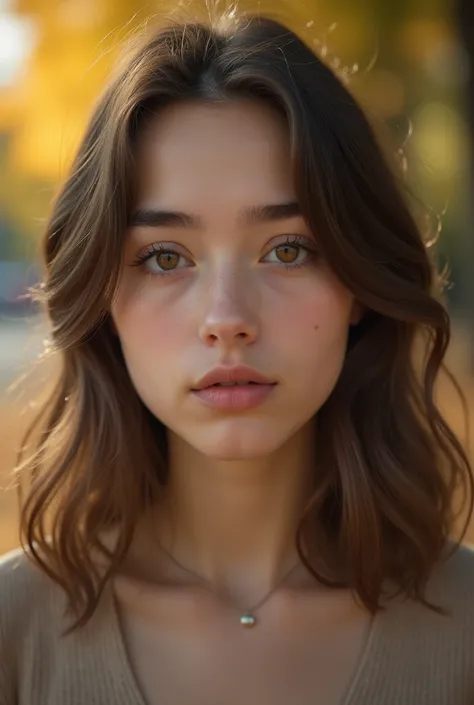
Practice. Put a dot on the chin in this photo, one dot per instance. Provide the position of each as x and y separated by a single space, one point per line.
237 443
234 453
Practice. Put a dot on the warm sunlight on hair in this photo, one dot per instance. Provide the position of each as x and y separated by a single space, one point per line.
242 469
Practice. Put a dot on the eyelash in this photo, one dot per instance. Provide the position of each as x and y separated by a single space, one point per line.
158 248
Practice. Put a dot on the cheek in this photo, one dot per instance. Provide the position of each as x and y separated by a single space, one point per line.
146 328
324 311
315 340
150 337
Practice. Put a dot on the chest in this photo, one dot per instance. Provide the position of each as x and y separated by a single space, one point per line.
212 659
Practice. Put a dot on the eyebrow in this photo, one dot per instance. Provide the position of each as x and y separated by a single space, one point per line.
254 215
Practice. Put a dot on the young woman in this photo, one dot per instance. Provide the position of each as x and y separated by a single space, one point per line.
242 489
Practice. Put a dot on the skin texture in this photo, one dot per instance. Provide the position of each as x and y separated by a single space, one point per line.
238 480
231 294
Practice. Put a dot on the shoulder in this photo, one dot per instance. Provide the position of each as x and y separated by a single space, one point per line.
20 580
30 604
29 599
36 654
449 628
452 580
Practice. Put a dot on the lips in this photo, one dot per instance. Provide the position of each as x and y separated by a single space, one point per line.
230 398
240 375
232 384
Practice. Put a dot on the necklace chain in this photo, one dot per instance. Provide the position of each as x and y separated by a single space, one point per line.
247 618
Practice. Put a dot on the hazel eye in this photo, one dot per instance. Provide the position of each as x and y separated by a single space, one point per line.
167 260
164 261
291 254
157 260
288 253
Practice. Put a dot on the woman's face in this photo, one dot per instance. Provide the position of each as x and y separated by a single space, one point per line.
217 283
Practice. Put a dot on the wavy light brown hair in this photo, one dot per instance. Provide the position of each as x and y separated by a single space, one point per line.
389 466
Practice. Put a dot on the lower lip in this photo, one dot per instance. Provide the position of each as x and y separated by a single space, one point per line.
238 398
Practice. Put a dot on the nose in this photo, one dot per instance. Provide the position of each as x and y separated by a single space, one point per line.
229 318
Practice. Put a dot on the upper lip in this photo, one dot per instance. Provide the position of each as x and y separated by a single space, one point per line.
240 373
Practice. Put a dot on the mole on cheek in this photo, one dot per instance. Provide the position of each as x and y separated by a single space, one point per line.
316 327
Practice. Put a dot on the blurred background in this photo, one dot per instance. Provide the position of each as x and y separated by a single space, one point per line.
409 63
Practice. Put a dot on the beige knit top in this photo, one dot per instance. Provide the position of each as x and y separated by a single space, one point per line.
413 656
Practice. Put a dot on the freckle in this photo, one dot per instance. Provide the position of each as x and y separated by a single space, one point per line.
316 327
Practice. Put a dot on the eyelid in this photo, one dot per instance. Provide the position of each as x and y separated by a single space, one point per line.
156 248
292 239
149 251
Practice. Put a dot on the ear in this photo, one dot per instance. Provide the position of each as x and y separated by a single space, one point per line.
357 313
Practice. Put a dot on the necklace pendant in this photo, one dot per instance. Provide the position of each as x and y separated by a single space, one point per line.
247 620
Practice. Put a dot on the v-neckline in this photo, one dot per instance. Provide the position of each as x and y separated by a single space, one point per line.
118 651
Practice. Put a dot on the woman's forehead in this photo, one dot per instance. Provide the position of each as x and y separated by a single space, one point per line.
236 150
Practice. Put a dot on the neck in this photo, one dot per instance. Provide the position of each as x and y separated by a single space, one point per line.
233 522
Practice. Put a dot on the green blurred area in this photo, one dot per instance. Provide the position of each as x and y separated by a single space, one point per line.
403 60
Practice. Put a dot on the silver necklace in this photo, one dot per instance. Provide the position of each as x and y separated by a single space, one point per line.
247 618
